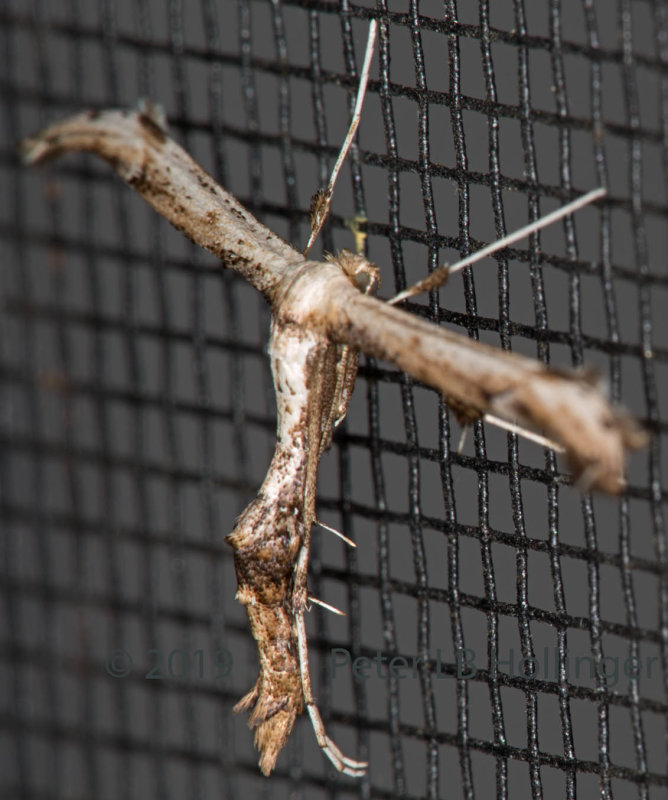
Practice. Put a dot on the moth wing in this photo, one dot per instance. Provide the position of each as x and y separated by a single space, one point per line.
137 146
565 404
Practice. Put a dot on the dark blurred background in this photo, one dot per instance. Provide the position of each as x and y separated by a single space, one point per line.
137 414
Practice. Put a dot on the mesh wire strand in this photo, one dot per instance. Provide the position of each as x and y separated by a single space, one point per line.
137 413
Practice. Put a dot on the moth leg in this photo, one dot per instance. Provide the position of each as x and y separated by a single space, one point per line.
347 766
511 427
522 431
329 607
342 536
323 197
440 275
466 415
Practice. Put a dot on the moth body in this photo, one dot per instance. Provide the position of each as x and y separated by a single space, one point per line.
322 317
271 539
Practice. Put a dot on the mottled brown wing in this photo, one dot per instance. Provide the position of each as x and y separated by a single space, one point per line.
139 150
567 405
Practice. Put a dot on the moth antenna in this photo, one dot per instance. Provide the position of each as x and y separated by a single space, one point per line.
322 199
348 541
525 432
440 275
322 603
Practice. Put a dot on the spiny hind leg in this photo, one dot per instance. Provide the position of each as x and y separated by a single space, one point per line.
347 766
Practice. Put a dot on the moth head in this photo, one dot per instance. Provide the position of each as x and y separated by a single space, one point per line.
364 274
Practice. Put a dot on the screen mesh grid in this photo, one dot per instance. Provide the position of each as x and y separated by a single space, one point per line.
137 413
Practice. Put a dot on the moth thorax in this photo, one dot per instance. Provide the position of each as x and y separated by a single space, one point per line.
363 273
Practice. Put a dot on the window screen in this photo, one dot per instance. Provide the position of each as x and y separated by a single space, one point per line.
137 414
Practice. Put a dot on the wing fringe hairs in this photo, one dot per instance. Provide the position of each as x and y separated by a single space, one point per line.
322 317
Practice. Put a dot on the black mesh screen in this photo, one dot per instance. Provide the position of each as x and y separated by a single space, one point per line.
137 413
